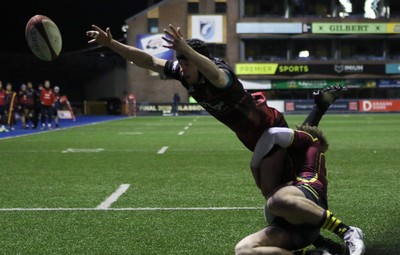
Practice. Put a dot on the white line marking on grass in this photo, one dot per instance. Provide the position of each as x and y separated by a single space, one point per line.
134 209
114 197
163 150
181 133
72 150
130 133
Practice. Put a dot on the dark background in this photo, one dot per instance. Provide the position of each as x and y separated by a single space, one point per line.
73 18
78 62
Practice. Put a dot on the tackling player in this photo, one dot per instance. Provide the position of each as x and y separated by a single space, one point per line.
299 209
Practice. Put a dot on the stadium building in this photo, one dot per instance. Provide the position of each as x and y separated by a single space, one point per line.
287 47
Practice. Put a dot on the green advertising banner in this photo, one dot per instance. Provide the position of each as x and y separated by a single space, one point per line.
349 28
318 84
306 84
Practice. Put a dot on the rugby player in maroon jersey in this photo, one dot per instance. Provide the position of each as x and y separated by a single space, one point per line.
299 208
214 85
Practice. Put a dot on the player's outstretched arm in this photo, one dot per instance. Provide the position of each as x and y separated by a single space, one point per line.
177 42
130 53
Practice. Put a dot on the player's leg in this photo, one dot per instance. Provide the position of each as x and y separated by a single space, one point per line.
270 240
299 206
43 116
323 98
49 113
268 174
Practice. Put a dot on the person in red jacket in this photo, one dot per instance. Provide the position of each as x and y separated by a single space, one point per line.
47 99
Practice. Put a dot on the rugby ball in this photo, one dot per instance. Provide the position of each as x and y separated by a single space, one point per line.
43 37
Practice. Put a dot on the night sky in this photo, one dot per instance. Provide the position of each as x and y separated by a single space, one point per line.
72 17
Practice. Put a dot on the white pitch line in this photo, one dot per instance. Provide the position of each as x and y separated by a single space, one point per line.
134 209
114 196
163 150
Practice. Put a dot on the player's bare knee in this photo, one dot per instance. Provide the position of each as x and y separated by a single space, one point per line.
278 203
243 248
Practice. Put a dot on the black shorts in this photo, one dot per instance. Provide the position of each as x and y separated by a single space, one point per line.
303 235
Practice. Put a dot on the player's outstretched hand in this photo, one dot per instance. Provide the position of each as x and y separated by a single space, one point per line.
100 36
175 40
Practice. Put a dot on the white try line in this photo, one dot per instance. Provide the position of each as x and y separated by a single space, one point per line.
134 209
114 196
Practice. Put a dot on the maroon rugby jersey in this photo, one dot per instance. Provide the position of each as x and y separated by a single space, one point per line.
308 163
244 114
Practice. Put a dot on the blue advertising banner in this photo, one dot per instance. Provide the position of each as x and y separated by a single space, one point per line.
388 84
153 44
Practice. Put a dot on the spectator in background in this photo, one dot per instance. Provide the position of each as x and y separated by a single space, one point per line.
3 119
30 104
57 105
176 99
26 100
22 98
47 99
10 105
38 106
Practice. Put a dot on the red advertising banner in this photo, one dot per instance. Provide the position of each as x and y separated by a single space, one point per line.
379 105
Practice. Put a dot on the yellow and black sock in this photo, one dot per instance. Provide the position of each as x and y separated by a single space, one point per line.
333 224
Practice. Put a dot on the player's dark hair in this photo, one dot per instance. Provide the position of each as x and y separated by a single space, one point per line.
199 46
317 133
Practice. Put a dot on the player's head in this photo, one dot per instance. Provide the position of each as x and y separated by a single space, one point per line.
56 89
317 133
199 46
23 86
189 69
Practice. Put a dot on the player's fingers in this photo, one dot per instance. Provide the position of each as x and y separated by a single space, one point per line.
168 40
96 28
172 28
179 32
108 31
168 33
93 34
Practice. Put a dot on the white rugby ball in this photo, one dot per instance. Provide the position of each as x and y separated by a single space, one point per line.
43 37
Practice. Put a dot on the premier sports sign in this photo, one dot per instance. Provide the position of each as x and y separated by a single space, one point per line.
299 69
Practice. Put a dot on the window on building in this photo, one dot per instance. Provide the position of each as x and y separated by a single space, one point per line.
312 49
193 7
264 49
152 26
220 7
393 49
262 8
394 9
371 9
361 49
311 8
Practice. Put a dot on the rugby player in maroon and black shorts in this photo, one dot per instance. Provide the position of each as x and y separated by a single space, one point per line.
299 208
